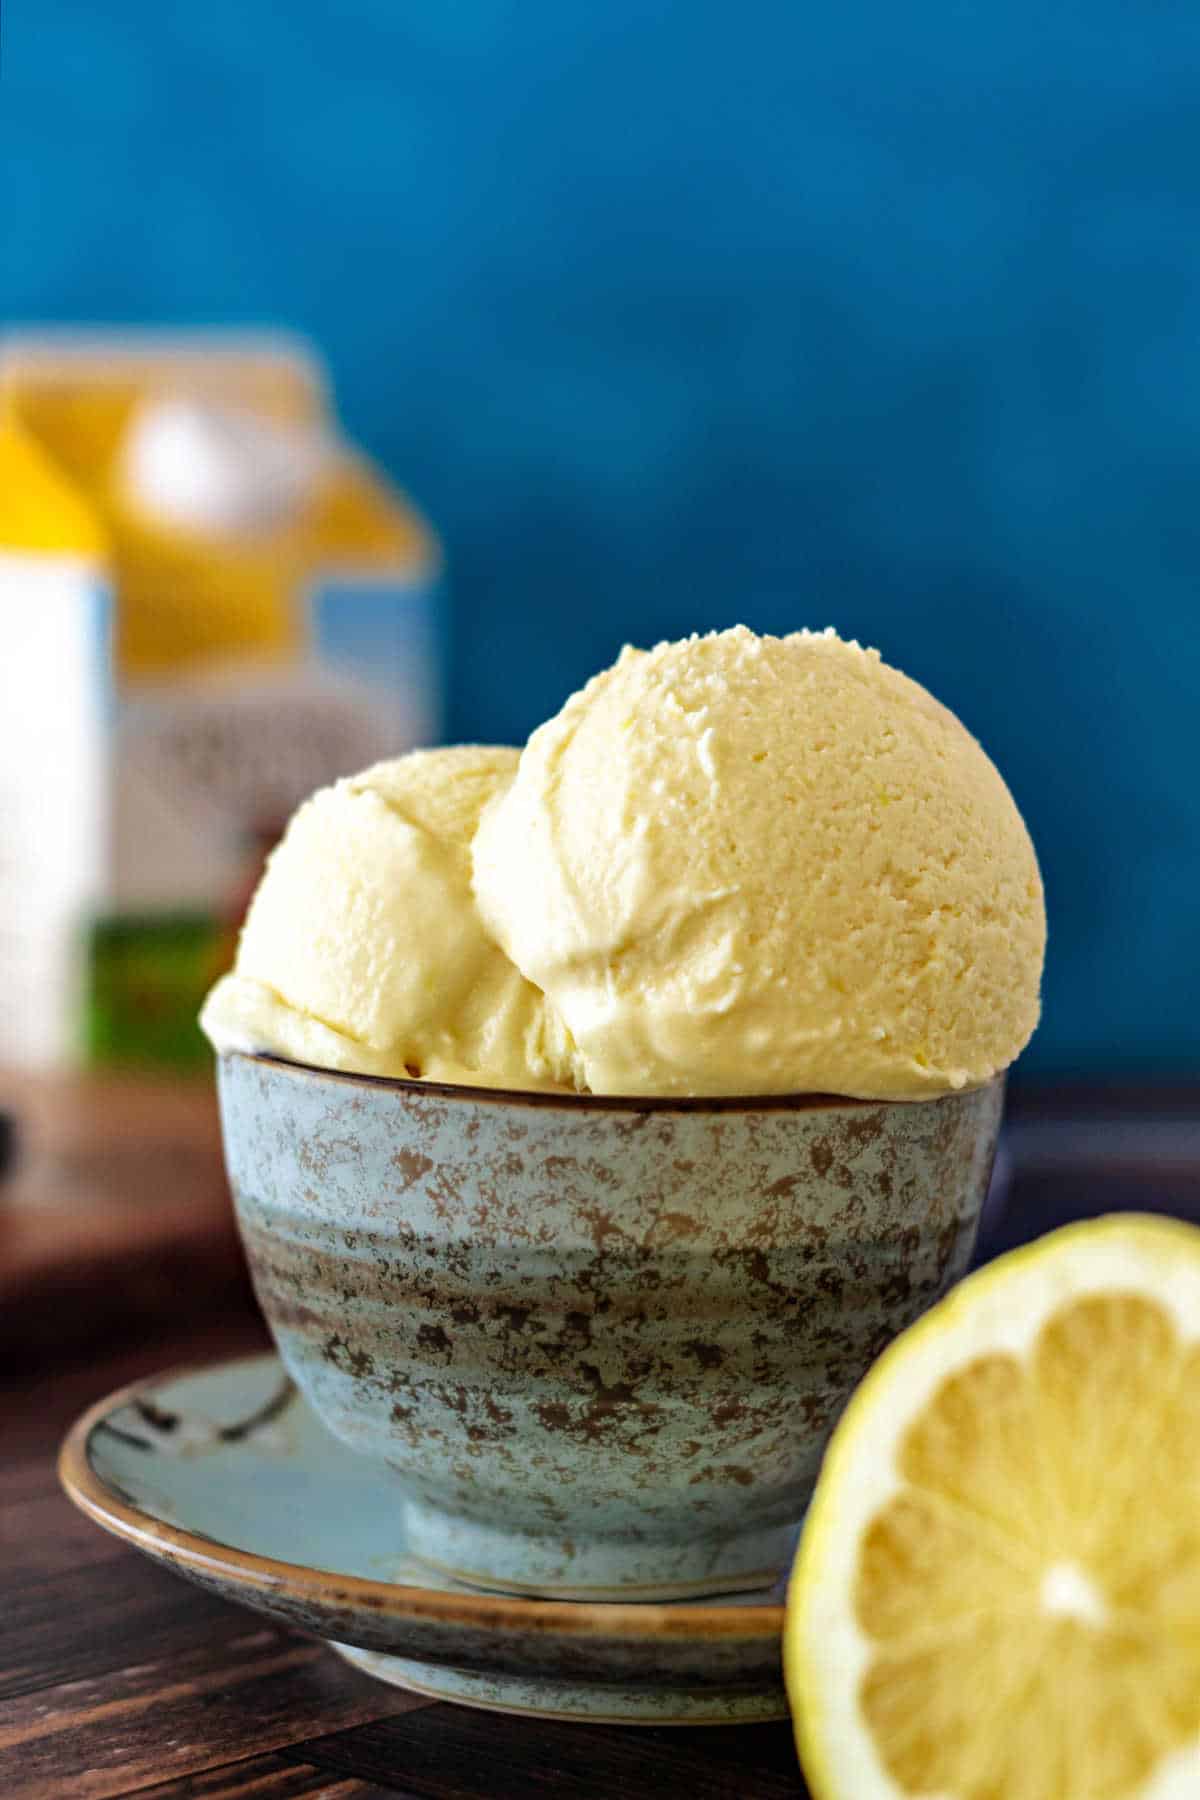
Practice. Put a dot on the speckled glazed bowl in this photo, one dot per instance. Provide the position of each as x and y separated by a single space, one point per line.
602 1342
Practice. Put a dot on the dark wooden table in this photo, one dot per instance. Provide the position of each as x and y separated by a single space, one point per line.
116 1678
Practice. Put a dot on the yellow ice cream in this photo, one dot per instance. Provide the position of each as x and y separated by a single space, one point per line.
363 949
744 865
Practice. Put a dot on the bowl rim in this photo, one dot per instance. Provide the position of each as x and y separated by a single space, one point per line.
563 1101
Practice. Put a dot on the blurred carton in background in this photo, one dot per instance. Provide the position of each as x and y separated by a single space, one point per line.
213 605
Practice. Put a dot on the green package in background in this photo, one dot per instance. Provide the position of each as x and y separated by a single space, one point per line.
145 981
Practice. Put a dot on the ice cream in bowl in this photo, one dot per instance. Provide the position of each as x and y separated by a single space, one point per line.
596 1113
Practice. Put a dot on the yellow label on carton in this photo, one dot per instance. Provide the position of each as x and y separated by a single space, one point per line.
40 511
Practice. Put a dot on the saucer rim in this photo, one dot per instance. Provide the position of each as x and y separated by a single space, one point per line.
327 1588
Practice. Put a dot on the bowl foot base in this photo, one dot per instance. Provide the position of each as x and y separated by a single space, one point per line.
563 1568
594 1701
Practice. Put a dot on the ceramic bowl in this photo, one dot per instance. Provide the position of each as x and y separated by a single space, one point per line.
601 1342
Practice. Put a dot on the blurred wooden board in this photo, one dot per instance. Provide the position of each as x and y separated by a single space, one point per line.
75 1130
115 1218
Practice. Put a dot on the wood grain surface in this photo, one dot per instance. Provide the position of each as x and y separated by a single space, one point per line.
117 1678
115 1213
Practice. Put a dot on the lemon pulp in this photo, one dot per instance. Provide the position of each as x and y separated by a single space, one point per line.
1030 1595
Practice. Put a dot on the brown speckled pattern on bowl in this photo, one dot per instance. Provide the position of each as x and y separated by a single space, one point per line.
602 1343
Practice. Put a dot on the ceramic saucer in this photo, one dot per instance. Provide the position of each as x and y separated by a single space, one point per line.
226 1476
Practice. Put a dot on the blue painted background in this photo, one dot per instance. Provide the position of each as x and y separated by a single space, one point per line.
678 314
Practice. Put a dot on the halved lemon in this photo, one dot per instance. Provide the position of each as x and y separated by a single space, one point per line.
997 1595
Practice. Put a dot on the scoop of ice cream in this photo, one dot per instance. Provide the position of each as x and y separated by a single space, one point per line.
363 950
744 865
